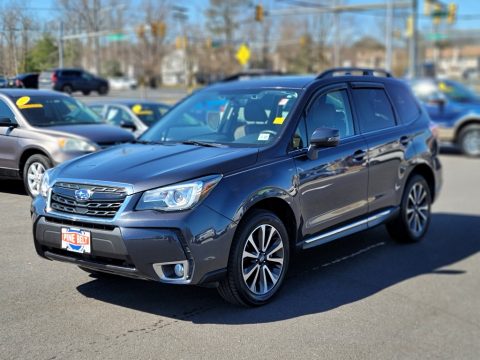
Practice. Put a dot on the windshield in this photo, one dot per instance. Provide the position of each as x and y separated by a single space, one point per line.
55 110
253 117
149 113
456 92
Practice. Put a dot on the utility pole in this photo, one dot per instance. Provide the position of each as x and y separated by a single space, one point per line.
413 68
336 41
388 36
60 45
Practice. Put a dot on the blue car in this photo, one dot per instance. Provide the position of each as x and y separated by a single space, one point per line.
455 109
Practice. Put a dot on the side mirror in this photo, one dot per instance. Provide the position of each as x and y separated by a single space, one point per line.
322 138
7 122
128 125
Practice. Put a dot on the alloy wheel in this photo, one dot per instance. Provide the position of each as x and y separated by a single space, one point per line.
263 259
34 176
418 209
471 142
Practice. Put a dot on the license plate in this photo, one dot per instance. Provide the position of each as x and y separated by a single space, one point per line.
76 240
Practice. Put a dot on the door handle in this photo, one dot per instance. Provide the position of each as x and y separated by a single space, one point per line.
359 155
405 140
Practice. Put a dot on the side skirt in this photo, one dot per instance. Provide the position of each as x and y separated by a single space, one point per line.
351 228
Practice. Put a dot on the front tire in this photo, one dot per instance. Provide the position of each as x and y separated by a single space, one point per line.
258 260
412 223
469 140
33 171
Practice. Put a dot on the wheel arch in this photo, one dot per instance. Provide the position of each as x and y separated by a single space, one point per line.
466 122
427 173
281 208
27 154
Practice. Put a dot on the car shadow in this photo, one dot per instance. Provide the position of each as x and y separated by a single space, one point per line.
14 187
319 280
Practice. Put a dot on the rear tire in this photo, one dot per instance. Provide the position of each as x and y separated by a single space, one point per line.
412 223
33 171
469 140
67 89
103 90
258 260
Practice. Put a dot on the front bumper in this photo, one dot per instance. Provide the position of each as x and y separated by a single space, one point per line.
136 242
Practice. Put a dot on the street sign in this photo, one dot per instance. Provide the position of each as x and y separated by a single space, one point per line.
116 37
436 36
243 55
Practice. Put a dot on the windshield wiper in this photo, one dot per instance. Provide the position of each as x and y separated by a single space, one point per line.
145 142
201 143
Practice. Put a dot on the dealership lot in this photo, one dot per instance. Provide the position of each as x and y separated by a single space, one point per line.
361 297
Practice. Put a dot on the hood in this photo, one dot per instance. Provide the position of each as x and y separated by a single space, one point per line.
101 134
150 166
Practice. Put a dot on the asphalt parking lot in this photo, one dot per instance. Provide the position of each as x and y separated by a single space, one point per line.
361 297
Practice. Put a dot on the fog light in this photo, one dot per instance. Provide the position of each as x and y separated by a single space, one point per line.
179 270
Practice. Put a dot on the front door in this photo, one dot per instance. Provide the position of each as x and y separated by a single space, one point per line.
333 187
8 143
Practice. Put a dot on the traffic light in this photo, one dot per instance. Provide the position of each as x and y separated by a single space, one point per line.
158 29
259 13
140 31
409 30
437 14
452 13
427 7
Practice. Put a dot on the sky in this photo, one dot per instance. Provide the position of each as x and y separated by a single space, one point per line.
45 9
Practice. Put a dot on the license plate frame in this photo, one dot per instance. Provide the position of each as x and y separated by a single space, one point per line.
76 240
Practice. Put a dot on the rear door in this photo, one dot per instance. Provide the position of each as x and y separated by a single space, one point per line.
8 143
333 187
388 142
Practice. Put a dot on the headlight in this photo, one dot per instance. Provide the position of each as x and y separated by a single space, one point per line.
178 197
70 144
45 185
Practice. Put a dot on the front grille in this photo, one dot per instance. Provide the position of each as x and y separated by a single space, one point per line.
104 201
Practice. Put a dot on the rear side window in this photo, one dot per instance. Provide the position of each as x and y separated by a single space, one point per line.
70 73
404 102
5 112
374 109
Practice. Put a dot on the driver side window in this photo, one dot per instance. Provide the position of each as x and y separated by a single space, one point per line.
331 110
6 112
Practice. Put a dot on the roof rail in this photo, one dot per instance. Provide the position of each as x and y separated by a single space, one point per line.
347 71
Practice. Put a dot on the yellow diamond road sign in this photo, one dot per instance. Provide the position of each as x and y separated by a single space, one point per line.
243 54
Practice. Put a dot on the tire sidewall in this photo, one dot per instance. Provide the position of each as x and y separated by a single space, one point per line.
463 133
68 89
414 180
33 159
235 267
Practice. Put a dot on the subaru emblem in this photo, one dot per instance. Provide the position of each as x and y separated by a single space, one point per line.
83 194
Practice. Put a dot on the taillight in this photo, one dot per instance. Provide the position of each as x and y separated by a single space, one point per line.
54 78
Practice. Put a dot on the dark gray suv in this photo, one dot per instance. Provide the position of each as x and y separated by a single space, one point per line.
238 176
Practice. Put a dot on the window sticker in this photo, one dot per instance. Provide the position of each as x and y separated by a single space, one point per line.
283 102
263 137
137 109
278 120
24 103
444 87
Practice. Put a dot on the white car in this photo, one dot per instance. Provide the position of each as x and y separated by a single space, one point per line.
134 115
122 83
